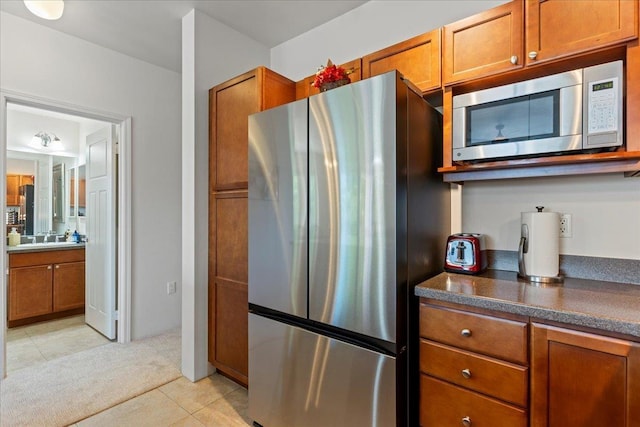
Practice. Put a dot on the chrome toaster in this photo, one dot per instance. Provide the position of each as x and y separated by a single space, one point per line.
466 253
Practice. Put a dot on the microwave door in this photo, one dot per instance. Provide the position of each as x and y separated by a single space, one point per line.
530 124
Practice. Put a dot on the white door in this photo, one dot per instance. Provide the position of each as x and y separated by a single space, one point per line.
100 307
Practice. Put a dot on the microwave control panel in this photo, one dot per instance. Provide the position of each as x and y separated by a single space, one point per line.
603 106
602 93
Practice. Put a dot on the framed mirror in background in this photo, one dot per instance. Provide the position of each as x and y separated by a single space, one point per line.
72 192
57 194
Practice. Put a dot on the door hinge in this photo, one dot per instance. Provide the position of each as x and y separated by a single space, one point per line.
117 148
115 315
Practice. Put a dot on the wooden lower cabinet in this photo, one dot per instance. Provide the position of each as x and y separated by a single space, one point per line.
583 379
44 285
570 377
30 291
474 368
228 288
229 346
444 404
68 286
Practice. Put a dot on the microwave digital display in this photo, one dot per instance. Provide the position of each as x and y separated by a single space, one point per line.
602 86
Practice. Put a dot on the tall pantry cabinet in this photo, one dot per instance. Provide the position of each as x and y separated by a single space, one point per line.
230 104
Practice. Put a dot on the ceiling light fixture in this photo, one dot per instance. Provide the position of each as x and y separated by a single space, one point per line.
44 139
46 9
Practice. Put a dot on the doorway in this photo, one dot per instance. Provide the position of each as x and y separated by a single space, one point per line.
72 213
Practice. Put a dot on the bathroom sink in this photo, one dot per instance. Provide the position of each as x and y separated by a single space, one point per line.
43 245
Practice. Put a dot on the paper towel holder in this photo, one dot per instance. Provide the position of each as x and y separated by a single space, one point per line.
523 248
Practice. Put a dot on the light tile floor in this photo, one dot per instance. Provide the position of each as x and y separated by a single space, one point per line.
213 401
37 343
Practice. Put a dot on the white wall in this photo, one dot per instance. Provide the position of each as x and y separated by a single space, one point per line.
605 212
366 29
211 54
82 74
605 209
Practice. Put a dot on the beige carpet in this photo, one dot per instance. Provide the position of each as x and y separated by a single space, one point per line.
65 390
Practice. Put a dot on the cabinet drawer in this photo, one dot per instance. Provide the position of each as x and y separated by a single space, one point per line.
443 404
27 259
493 336
493 377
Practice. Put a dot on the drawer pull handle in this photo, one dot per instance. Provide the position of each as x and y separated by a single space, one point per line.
465 333
466 373
466 422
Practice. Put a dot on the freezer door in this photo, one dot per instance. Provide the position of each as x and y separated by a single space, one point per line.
278 208
299 378
352 207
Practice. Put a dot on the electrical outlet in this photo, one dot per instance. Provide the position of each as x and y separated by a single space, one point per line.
565 225
171 288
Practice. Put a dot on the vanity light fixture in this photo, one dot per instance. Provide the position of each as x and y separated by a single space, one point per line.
45 140
46 9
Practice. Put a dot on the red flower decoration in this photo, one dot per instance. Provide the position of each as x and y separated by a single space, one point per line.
330 73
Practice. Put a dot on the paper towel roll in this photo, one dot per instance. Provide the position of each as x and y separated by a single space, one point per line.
542 257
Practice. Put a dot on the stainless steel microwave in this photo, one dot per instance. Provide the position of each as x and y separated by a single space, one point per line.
579 110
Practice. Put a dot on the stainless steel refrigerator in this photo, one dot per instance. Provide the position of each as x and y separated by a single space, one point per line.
346 215
27 209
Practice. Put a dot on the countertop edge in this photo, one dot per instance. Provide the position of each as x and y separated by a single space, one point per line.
22 250
535 312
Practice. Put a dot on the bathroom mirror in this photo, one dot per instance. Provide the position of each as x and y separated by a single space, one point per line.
81 190
57 194
72 192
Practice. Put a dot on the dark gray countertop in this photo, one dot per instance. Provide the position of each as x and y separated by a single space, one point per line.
602 305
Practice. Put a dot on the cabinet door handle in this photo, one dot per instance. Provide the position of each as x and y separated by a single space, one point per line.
57 266
466 373
466 422
514 59
533 54
48 267
465 333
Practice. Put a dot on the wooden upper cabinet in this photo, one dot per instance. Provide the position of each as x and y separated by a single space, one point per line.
483 44
583 379
558 28
13 187
230 104
417 59
13 195
305 90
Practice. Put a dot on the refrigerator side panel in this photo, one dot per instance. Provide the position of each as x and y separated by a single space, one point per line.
352 207
299 378
428 225
278 208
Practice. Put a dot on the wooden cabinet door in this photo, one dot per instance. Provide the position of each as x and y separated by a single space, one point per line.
417 59
230 104
13 192
30 291
483 44
583 379
26 179
68 286
305 90
229 348
558 28
228 290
